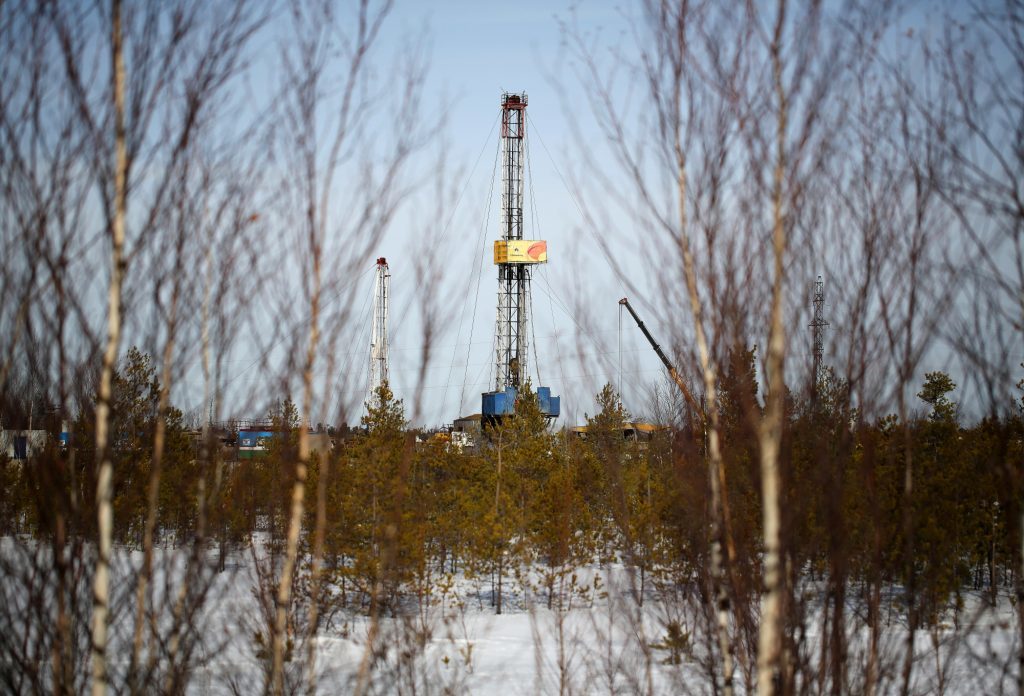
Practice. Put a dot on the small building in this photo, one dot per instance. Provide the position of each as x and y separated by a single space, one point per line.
253 443
470 425
637 431
22 444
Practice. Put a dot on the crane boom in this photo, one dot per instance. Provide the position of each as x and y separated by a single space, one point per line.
672 372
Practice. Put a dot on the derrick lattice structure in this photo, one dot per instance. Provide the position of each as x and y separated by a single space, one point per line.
512 330
379 330
818 326
515 257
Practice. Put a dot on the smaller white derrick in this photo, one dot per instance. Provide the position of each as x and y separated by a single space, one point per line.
379 332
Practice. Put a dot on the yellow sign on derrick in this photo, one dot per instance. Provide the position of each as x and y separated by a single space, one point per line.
520 251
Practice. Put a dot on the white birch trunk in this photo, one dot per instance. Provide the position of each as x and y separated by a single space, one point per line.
284 591
104 482
710 418
769 645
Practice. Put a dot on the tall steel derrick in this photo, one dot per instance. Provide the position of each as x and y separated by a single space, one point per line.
379 329
514 257
512 330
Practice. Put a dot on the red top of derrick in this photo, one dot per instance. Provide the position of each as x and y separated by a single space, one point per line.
513 101
382 261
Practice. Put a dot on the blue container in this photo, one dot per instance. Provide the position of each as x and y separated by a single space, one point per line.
501 403
549 405
544 399
253 438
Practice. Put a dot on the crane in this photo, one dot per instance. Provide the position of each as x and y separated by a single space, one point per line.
672 372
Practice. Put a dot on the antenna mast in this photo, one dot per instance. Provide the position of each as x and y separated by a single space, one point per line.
818 326
379 334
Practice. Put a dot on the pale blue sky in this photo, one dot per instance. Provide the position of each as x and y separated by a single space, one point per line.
475 50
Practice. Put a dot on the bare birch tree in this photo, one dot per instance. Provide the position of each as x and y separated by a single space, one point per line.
328 140
683 109
132 86
977 119
755 88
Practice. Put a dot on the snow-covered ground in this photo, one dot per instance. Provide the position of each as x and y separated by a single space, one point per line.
601 641
597 640
592 644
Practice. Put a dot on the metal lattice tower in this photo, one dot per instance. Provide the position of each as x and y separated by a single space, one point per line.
379 331
514 257
512 330
818 326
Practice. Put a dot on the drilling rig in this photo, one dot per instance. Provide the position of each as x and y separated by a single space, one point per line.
515 258
379 330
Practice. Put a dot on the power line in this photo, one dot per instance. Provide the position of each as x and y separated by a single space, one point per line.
288 334
455 209
480 272
572 196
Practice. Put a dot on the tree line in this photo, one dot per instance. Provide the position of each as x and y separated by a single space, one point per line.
532 510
